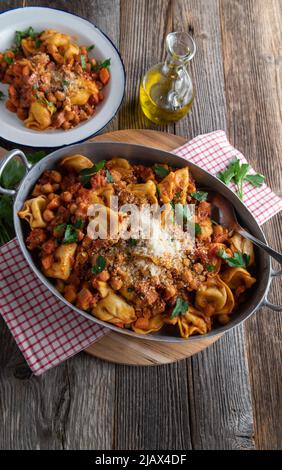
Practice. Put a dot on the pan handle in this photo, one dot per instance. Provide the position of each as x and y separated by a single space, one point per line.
3 163
276 308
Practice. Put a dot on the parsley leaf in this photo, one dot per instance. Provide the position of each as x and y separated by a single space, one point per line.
83 61
181 307
198 229
70 234
100 265
160 171
13 173
238 260
38 43
78 223
238 172
1 95
132 241
90 48
199 195
178 194
101 65
256 180
86 174
25 34
8 59
34 157
210 268
109 177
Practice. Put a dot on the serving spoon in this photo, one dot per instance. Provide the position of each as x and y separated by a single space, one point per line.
224 213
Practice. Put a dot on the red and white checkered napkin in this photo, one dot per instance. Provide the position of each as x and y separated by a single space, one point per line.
47 331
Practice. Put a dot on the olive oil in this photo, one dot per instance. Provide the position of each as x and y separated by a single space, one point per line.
166 91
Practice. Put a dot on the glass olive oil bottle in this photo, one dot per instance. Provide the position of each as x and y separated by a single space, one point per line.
166 91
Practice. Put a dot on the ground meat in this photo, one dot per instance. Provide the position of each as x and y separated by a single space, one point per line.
35 239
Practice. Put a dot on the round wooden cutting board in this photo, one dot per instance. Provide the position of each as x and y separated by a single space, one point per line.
123 349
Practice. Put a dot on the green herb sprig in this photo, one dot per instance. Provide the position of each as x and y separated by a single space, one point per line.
11 177
100 265
101 65
200 195
181 307
161 171
238 260
86 174
238 173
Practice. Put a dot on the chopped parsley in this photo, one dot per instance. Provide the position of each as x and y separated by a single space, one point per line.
8 60
20 35
160 171
109 177
83 61
238 260
132 242
70 235
78 223
100 265
198 229
38 43
90 48
181 307
66 82
1 95
86 174
101 65
200 195
210 268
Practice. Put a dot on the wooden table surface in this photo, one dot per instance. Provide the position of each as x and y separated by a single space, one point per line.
229 396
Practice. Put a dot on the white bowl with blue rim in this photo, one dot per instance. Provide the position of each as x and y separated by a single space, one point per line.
85 33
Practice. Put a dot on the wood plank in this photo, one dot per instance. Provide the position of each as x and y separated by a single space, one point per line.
207 421
252 65
71 406
143 27
212 386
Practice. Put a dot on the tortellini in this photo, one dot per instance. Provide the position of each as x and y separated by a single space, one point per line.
145 191
39 117
214 297
238 279
61 268
176 181
81 90
148 325
76 162
114 309
32 211
193 322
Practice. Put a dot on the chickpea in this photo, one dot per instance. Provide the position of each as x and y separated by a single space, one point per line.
55 176
69 115
66 196
60 95
103 276
116 283
47 188
51 196
48 215
54 204
51 97
73 208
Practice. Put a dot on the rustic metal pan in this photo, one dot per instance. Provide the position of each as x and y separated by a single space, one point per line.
144 155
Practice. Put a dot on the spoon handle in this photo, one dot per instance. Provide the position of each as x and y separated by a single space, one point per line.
270 251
